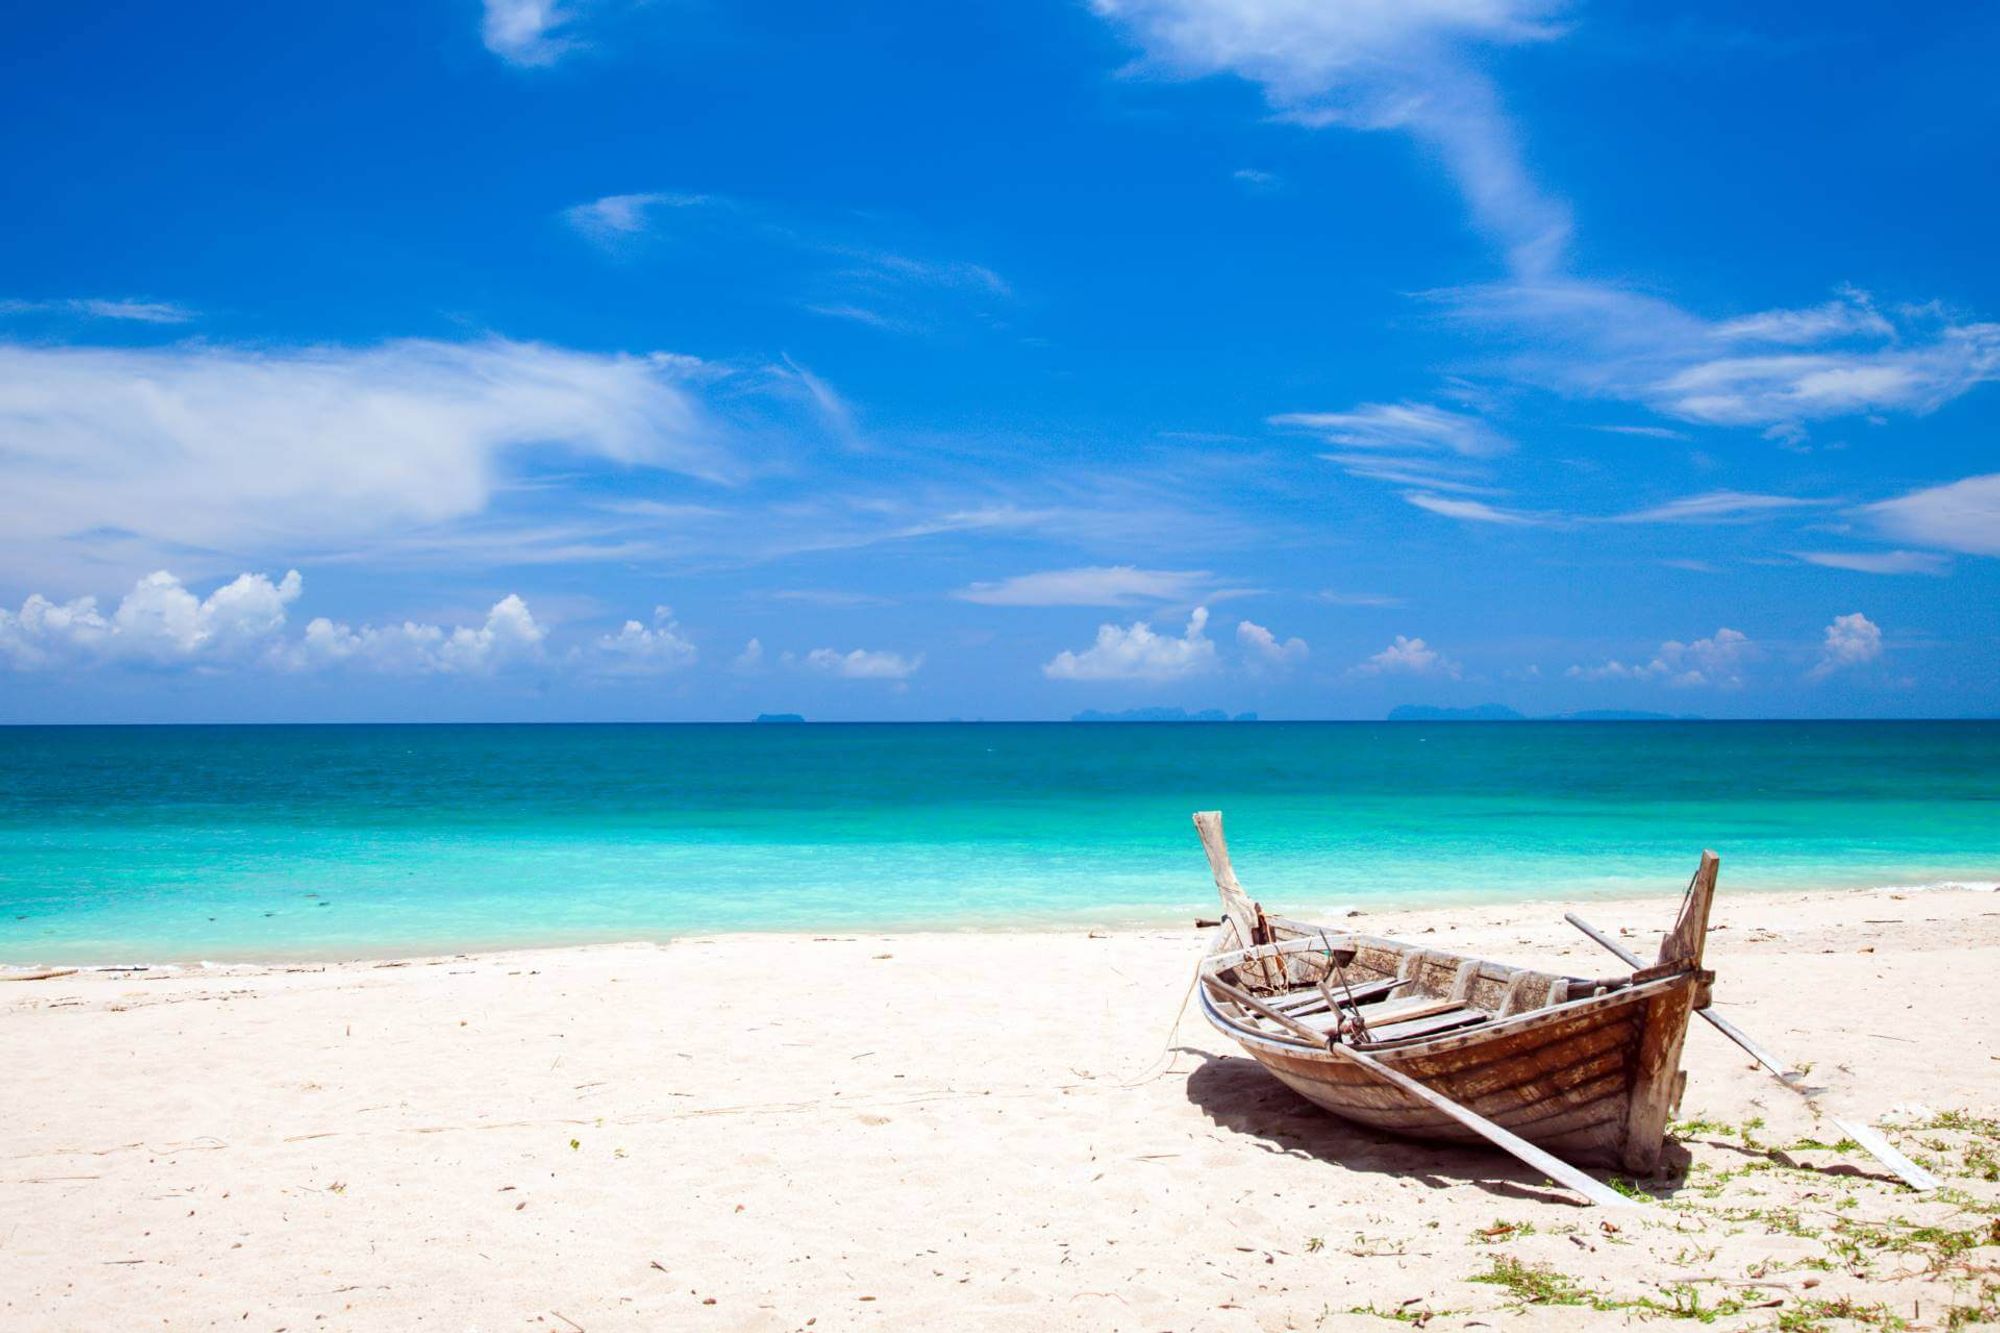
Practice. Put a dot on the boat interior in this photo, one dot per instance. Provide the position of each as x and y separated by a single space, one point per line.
1377 992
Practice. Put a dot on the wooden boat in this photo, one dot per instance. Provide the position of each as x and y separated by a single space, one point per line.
1431 1044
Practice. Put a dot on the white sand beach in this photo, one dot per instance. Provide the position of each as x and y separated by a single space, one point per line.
970 1130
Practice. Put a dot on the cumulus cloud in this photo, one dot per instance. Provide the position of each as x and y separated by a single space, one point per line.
159 621
751 658
508 637
1135 652
639 649
1715 661
1375 65
1264 651
1960 516
1105 585
1409 657
238 448
1850 641
863 664
526 32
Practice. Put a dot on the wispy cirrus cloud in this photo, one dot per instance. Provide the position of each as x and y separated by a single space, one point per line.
1409 66
1717 507
1405 427
138 312
1958 516
206 446
614 220
527 32
1780 371
1473 511
1092 585
831 272
1880 562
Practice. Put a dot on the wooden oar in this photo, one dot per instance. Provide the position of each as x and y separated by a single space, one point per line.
1866 1135
1548 1164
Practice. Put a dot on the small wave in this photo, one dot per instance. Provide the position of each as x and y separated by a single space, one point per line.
1943 885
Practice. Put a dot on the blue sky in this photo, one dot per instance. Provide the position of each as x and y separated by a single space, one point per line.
578 359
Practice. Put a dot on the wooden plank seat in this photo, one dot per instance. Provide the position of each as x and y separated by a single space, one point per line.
1305 1001
1426 1025
1420 1017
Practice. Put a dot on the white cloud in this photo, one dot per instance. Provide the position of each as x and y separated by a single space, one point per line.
239 448
1097 585
1135 652
158 621
1715 507
508 637
1792 388
524 32
1853 314
1645 432
1849 641
140 312
1404 427
1779 371
1470 511
1959 516
1880 562
1409 657
1263 650
1717 661
751 659
1377 64
638 649
862 664
618 217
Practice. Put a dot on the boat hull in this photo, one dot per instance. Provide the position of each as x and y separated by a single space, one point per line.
1561 1078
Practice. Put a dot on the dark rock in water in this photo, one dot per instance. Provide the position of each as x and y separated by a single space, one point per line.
779 717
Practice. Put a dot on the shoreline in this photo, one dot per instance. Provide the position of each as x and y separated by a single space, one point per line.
1634 905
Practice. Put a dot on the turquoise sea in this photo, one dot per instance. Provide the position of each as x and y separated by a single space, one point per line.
181 843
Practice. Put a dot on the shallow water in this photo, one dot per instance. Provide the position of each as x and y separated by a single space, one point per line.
268 842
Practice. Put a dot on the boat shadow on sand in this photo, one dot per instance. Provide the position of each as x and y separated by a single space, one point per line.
1240 1096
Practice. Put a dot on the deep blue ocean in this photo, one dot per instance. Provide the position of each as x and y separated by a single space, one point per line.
181 843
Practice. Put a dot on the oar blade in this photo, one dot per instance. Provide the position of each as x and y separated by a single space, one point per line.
1886 1153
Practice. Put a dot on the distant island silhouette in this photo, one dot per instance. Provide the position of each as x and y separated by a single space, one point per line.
1161 715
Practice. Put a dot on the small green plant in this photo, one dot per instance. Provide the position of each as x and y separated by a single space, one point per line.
1500 1231
1812 1316
1532 1284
